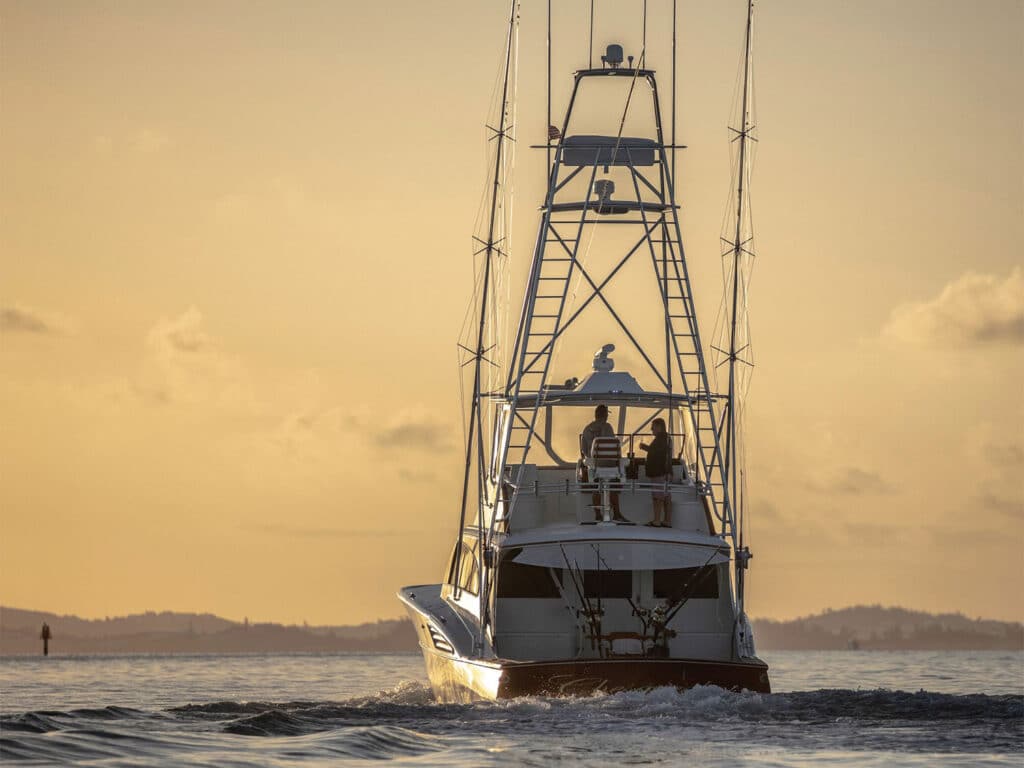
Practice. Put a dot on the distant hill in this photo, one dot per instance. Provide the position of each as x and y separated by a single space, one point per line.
192 633
864 627
874 627
14 618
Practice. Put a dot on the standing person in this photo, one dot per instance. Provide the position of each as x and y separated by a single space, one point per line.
658 469
600 427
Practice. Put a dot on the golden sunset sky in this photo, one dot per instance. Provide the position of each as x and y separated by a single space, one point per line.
235 257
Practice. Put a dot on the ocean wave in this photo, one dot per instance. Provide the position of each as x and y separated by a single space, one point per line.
407 692
79 742
711 702
271 722
411 699
29 722
380 742
405 721
45 721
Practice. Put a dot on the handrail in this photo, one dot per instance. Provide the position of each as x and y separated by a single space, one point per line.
569 487
631 438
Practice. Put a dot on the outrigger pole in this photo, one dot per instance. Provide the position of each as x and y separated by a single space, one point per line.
738 250
490 247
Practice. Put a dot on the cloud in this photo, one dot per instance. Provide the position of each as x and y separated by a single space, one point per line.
149 142
413 429
874 535
767 512
19 319
854 481
1005 505
415 476
777 535
319 434
976 538
422 436
973 309
183 334
994 461
185 364
313 432
1004 455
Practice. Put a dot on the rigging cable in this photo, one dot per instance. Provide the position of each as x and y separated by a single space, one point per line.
590 48
739 245
475 422
664 246
674 34
643 44
548 126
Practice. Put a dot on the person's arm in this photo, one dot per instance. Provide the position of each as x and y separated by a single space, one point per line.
588 439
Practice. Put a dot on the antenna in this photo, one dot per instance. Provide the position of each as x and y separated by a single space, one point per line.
475 438
590 47
547 169
739 249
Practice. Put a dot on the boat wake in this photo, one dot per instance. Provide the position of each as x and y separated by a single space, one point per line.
405 722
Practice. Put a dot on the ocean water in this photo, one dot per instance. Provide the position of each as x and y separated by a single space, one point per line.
830 708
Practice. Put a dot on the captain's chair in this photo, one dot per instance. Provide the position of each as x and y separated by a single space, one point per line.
605 460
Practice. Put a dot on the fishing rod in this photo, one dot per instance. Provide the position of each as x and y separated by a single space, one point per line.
593 618
689 589
638 610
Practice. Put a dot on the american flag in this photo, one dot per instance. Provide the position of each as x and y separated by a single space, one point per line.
553 133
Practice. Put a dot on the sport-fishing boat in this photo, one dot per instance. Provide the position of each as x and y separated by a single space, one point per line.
586 559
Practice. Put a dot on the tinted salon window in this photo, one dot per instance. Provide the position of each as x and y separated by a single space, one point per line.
606 584
675 583
518 580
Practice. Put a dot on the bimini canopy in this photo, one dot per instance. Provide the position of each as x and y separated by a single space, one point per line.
618 555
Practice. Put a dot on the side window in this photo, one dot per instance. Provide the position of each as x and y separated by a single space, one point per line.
465 564
468 570
676 583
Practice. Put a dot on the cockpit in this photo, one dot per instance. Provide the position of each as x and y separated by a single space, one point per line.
590 460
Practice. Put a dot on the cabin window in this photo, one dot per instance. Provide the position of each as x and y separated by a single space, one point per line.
468 570
608 584
675 583
465 557
518 580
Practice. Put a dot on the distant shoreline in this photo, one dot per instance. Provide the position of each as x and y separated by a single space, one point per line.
764 652
858 628
225 654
